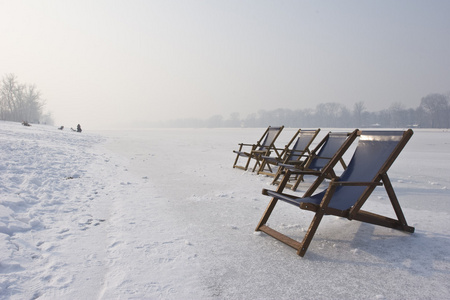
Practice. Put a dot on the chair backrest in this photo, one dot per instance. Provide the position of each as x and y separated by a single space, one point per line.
334 141
375 153
269 137
304 140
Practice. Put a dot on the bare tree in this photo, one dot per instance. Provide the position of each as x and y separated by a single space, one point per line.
329 113
8 97
358 110
32 104
398 115
19 102
437 107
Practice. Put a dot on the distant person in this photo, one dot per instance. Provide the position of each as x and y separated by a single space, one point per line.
78 128
25 123
61 128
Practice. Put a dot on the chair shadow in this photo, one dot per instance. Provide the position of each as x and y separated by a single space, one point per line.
421 253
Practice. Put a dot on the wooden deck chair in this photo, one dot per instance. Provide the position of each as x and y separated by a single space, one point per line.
282 153
264 146
321 155
375 153
298 153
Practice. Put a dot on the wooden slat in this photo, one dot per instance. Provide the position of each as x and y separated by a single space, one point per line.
240 167
281 237
368 217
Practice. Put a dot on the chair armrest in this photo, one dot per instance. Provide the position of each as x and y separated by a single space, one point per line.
291 164
279 195
259 151
294 170
241 145
298 151
272 158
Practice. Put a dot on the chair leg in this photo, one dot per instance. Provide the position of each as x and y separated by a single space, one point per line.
303 246
277 175
267 213
310 233
297 182
400 223
300 247
258 161
235 161
270 169
237 156
256 164
316 220
273 202
394 201
248 162
261 168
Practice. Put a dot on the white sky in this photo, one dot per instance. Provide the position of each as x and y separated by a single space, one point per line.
99 63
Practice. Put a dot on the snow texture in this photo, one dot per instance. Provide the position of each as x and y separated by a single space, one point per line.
151 214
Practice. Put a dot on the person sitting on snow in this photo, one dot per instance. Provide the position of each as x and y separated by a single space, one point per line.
78 128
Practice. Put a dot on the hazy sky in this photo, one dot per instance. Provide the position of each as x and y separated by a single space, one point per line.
102 62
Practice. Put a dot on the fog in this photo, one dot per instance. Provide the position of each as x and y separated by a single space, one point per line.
109 64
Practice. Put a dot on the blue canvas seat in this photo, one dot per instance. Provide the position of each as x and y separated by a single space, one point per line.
297 154
333 145
264 146
375 153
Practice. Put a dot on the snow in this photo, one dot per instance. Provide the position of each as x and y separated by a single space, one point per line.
151 214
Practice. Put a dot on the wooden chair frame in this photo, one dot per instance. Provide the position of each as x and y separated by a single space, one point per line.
295 155
328 205
318 154
264 146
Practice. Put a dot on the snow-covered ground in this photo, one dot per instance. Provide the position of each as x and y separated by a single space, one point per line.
150 214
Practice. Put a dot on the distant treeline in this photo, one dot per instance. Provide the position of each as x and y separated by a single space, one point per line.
21 102
433 112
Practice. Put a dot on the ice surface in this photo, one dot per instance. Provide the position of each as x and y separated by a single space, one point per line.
145 214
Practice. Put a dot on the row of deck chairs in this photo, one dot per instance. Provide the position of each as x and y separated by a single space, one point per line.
345 194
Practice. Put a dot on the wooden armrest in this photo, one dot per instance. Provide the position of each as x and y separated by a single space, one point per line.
267 157
265 192
293 170
289 165
298 151
259 151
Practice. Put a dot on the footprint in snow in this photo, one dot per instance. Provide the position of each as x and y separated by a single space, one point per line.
84 224
115 244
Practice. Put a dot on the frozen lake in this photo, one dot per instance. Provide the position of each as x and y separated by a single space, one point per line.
161 213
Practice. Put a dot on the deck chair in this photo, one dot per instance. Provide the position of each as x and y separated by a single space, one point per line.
299 151
375 153
321 155
264 146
